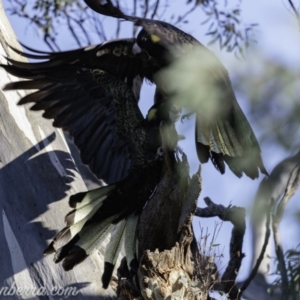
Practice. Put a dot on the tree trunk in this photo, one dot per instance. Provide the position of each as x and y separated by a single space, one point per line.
37 175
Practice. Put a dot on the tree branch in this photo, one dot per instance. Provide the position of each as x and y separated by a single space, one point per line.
295 11
263 250
291 188
236 215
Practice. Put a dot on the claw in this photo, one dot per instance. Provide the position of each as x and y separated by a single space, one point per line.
179 150
186 116
160 152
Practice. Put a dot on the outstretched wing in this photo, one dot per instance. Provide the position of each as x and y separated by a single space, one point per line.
121 58
68 92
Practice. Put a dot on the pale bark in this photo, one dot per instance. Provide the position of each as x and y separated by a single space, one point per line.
37 175
272 187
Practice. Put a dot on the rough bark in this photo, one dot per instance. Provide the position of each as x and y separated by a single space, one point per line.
37 175
235 215
166 250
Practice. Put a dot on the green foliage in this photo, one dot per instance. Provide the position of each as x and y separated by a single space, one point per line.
224 25
226 28
47 17
52 6
292 261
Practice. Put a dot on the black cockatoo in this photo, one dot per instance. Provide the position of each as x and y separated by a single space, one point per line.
223 133
101 113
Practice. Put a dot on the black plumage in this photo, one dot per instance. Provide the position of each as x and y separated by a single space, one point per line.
225 136
68 93
65 84
97 212
101 113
